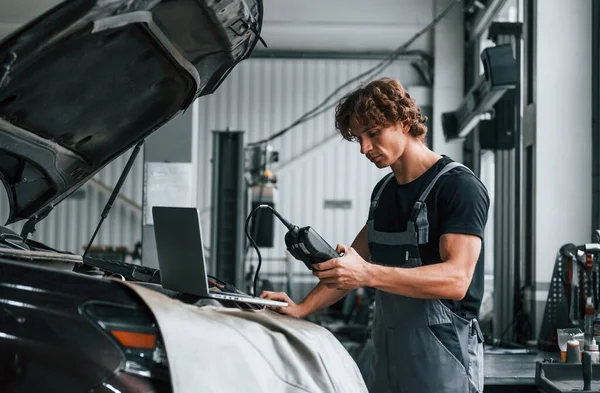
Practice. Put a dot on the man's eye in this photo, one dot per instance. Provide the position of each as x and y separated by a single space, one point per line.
373 133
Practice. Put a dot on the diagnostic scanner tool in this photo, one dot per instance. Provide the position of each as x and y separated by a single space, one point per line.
305 244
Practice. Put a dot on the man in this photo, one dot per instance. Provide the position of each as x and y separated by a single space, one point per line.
419 249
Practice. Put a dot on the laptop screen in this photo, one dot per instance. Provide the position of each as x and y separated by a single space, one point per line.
178 238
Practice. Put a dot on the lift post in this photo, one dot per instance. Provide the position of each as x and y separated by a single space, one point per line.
228 207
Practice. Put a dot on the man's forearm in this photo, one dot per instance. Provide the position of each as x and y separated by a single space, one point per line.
319 298
440 281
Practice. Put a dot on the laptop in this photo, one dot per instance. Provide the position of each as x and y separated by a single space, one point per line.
181 256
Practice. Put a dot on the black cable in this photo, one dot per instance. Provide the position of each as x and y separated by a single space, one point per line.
219 281
522 329
306 117
288 225
262 187
255 247
254 234
382 65
507 329
260 196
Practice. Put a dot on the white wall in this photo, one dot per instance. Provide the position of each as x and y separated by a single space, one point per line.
448 73
246 102
346 25
262 96
331 25
563 130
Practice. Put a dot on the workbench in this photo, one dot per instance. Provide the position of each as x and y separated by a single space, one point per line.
512 372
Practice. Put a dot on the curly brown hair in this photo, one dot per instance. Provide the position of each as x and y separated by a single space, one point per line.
382 102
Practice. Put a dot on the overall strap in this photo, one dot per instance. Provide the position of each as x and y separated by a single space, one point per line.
444 170
375 200
418 218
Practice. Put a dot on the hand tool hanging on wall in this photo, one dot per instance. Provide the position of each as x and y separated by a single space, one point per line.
595 289
589 280
592 251
569 253
583 282
574 313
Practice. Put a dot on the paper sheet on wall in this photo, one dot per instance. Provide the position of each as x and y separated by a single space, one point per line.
167 184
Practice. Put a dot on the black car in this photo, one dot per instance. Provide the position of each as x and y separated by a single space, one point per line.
79 86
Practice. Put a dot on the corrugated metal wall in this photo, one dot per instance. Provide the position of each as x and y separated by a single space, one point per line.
71 224
261 97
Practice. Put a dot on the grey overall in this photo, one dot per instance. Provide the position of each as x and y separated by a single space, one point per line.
420 345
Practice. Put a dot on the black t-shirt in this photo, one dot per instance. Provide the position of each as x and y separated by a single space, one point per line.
457 203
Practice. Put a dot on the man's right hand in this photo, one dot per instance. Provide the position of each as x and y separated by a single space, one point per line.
292 309
320 297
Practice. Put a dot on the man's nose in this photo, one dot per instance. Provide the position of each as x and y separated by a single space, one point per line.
365 146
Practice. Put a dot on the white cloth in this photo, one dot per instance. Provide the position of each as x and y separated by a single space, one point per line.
221 350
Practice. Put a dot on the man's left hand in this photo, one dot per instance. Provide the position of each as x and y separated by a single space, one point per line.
349 271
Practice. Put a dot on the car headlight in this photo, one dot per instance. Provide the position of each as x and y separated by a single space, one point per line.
135 331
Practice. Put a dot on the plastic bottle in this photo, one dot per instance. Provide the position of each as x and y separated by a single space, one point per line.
593 350
590 314
573 351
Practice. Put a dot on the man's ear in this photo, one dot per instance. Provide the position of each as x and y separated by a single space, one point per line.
405 125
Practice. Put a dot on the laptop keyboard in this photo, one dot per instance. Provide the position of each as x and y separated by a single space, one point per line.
127 270
240 294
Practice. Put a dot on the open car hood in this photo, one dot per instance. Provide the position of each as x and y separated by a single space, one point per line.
87 80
